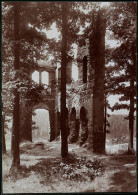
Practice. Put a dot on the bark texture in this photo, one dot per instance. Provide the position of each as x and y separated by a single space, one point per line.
64 142
16 110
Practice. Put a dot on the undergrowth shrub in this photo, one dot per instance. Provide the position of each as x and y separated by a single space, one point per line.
73 168
80 168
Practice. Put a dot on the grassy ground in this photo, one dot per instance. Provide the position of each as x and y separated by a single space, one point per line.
41 171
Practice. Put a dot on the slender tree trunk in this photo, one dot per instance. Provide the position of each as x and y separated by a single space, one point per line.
3 136
105 118
64 142
131 111
16 110
131 120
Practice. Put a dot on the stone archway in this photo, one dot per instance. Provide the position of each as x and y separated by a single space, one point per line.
26 120
52 117
40 125
83 126
41 106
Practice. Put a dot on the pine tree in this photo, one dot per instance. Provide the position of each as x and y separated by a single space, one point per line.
125 83
16 108
18 61
122 22
64 144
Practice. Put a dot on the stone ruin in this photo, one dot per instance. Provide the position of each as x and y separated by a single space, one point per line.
85 105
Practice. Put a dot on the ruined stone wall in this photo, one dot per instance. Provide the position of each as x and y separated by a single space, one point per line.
47 102
87 94
80 95
85 97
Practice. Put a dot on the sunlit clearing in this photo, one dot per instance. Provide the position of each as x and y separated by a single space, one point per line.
74 72
45 78
42 125
35 76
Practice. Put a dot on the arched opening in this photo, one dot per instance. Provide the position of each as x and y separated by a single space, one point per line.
73 137
83 126
85 69
82 114
40 125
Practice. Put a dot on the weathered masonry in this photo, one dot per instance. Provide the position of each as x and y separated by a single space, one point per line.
85 97
48 103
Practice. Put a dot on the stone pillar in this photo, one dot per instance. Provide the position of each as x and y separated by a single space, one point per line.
98 57
52 81
80 73
73 137
40 78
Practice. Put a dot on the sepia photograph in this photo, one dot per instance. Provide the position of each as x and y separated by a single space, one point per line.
68 92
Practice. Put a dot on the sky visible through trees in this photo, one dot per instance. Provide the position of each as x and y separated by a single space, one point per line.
109 40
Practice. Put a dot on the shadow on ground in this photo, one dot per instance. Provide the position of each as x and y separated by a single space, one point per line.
40 170
124 178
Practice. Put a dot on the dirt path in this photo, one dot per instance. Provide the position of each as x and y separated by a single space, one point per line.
119 174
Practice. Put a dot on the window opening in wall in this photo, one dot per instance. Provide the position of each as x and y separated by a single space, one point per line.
85 69
35 76
74 72
40 125
45 78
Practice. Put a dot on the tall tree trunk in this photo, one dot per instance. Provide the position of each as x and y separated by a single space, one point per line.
16 110
131 111
3 136
98 55
131 120
105 118
64 142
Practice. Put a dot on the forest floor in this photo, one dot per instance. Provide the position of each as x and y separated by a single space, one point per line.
39 172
